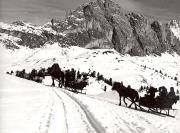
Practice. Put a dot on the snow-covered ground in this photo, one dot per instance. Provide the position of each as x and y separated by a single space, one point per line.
29 107
26 106
110 63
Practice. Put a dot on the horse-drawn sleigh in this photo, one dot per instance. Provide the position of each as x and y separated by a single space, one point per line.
161 104
67 79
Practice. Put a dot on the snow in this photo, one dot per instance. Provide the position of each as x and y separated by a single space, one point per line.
8 40
28 28
175 28
110 63
21 105
30 107
96 87
9 37
120 119
79 19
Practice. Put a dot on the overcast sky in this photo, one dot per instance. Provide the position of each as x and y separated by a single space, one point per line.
41 11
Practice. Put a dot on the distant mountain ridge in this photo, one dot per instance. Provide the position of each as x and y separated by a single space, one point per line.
102 24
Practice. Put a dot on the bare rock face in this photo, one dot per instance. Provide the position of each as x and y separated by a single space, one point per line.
105 24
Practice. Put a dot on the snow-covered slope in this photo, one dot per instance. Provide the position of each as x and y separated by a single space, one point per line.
29 35
22 26
10 42
175 28
29 107
134 71
22 106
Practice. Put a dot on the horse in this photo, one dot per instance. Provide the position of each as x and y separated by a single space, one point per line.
56 73
126 93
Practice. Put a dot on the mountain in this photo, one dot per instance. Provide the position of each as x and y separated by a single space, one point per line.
102 24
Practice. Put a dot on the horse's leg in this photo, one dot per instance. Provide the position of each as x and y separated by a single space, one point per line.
60 85
62 81
135 105
125 101
168 111
53 84
133 102
119 100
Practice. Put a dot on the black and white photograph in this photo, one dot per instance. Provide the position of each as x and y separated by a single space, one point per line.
89 66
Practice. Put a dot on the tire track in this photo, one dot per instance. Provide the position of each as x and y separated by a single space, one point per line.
92 121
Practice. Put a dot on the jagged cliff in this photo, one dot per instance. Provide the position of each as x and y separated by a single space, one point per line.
104 24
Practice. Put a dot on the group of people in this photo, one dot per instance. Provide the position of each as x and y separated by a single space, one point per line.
163 93
34 75
164 98
72 75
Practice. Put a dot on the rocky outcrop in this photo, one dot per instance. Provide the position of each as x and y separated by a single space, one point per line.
104 24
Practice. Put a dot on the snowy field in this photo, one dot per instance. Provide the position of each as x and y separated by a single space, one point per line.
29 107
110 63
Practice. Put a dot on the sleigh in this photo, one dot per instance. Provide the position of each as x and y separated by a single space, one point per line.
162 106
77 86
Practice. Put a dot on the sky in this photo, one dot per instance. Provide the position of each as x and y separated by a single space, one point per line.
41 11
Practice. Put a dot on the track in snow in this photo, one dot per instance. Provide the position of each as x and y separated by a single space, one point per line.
89 123
54 110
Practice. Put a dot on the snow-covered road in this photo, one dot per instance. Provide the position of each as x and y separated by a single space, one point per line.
78 118
28 107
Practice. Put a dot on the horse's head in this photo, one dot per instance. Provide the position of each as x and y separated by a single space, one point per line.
55 67
116 85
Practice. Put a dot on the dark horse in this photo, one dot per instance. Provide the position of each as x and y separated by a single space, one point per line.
56 73
126 93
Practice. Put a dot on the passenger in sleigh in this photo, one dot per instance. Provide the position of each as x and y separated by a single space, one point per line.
172 96
150 96
162 99
163 94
